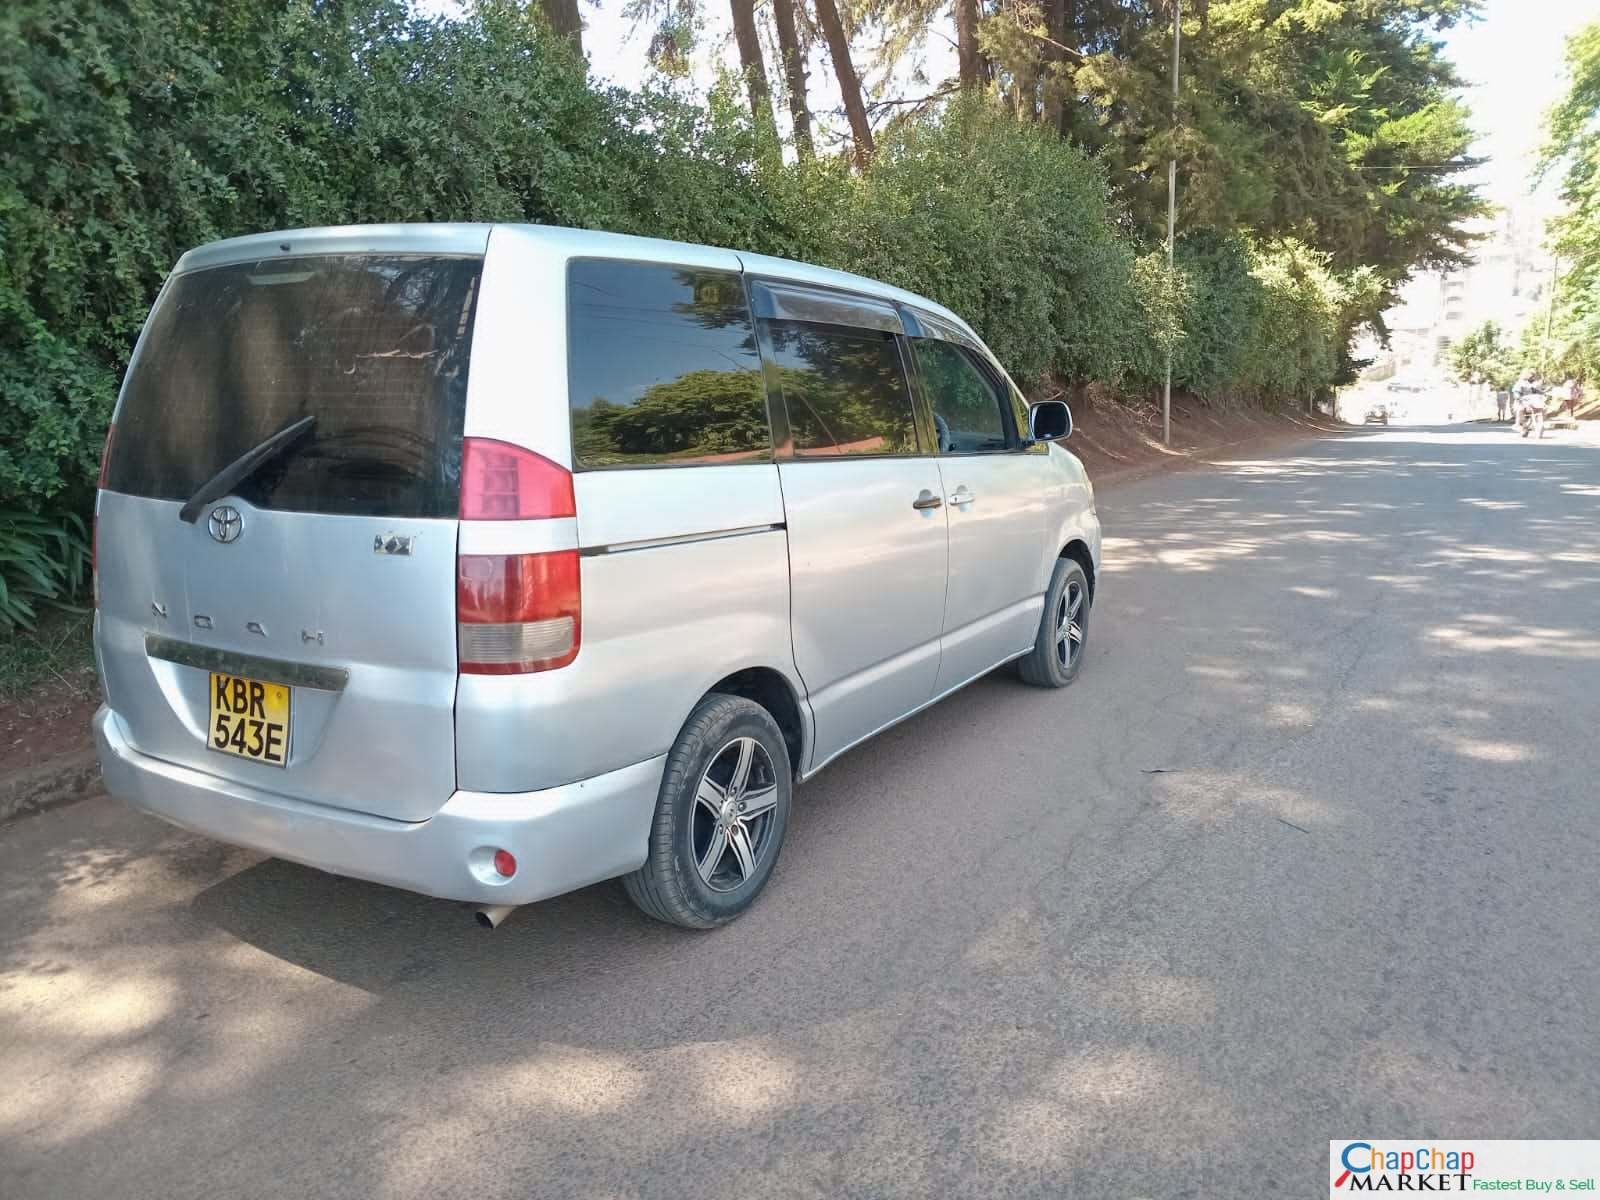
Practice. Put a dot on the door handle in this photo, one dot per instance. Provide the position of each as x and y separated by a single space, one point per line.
926 500
963 495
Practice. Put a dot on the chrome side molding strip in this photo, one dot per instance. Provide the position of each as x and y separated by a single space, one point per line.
680 540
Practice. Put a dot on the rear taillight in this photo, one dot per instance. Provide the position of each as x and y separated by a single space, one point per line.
517 613
94 535
502 482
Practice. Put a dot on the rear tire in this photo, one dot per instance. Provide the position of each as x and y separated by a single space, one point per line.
1057 654
721 816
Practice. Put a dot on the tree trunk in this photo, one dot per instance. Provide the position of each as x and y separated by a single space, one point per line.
1060 26
968 54
564 20
794 75
751 63
849 85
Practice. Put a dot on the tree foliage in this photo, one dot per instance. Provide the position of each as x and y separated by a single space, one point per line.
1574 149
1334 124
1487 353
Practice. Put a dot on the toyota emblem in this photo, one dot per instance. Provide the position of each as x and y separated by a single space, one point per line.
226 523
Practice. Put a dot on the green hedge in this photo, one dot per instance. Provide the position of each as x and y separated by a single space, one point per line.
132 130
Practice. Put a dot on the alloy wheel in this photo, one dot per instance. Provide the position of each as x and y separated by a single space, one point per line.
1069 625
731 832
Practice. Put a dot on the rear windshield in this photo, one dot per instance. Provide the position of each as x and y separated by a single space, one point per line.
374 347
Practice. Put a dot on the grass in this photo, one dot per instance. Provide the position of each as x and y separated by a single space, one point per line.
56 652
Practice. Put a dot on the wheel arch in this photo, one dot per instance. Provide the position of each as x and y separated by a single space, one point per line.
772 690
1078 551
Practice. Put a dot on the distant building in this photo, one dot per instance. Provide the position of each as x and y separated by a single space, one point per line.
1505 283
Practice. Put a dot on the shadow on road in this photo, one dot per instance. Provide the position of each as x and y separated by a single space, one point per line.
1294 856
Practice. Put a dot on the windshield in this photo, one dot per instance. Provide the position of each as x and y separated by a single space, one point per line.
374 347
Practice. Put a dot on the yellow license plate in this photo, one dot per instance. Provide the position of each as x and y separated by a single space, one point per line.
250 719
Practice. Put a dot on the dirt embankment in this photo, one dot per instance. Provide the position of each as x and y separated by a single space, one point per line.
46 750
1118 441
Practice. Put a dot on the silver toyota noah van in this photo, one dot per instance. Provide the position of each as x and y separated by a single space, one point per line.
493 561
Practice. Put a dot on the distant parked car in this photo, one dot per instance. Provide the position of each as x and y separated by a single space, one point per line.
1378 413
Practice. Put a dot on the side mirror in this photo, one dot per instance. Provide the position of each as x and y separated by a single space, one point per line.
1049 421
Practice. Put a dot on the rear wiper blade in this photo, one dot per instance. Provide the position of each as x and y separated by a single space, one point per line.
241 468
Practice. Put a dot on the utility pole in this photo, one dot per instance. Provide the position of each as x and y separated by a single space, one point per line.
1549 315
1172 216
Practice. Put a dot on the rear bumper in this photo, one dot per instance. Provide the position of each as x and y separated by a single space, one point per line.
563 838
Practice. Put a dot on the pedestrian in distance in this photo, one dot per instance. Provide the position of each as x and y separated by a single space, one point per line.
1570 393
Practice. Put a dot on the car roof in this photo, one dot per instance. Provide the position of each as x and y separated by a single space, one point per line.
473 238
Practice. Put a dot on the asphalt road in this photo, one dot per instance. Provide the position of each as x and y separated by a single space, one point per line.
1308 852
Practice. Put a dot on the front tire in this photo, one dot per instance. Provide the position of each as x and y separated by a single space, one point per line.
1057 654
721 816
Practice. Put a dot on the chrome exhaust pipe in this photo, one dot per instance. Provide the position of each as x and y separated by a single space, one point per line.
490 915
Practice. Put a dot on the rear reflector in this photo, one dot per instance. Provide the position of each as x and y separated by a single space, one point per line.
517 613
502 482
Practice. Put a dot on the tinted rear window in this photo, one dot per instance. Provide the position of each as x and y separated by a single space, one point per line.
375 347
663 367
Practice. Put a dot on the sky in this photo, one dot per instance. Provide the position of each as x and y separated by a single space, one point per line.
1514 57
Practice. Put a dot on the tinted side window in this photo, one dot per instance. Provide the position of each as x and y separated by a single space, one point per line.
968 412
844 389
662 367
